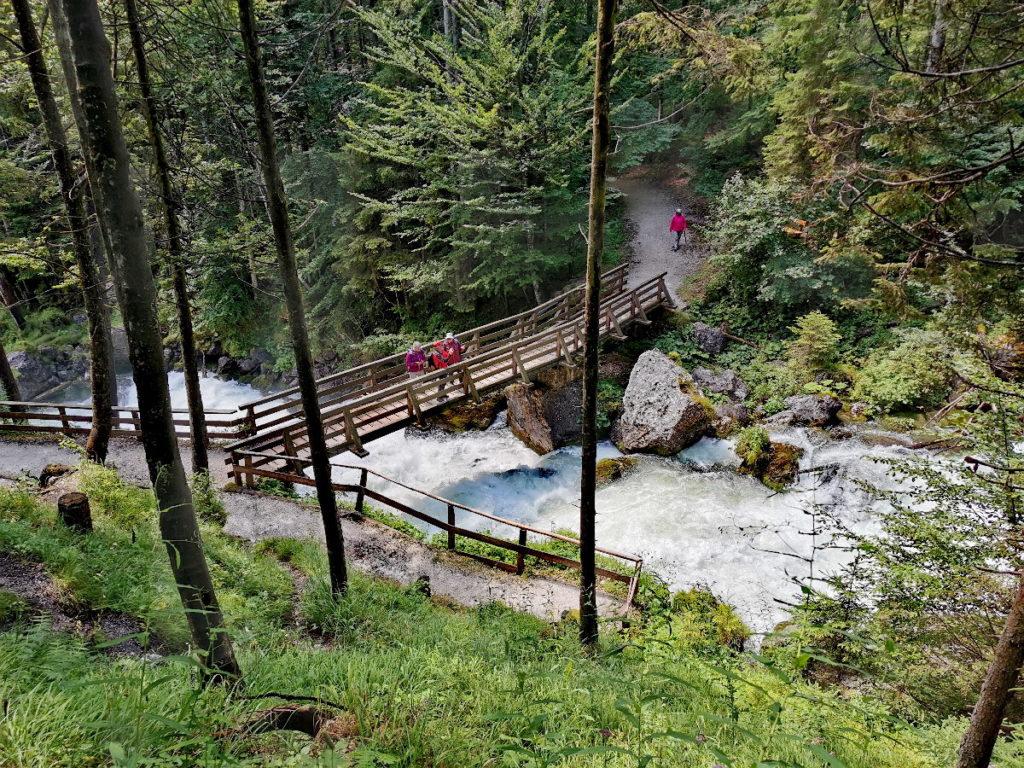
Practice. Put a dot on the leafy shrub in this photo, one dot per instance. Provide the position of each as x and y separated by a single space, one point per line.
206 499
753 444
774 404
915 373
609 400
815 348
272 487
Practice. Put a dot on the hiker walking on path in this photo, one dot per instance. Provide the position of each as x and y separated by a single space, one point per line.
416 361
678 226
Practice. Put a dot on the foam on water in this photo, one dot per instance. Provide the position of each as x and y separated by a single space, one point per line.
220 394
693 519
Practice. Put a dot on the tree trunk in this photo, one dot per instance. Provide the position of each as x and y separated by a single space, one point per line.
10 298
1000 682
170 203
101 348
592 300
83 47
8 383
277 205
937 39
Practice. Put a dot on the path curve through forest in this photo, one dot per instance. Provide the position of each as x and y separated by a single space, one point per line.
651 200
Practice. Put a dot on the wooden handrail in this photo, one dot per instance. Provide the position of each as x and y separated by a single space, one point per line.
449 526
397 391
616 273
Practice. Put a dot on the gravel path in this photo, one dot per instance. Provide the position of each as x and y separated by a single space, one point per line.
650 203
371 547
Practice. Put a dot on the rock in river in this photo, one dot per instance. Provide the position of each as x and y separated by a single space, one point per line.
662 412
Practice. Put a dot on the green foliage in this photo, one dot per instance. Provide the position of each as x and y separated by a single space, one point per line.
753 444
273 487
918 608
767 276
609 400
915 372
815 348
426 684
206 499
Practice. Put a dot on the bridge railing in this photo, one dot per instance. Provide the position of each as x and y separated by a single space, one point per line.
448 522
407 399
77 420
280 408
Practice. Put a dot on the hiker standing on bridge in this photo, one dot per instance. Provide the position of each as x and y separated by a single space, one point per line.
416 361
678 226
441 359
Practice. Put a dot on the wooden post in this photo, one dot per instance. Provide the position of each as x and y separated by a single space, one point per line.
451 526
520 558
64 418
414 406
519 367
468 386
354 443
251 420
361 493
73 511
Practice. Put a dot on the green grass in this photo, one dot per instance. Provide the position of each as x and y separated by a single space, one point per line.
428 684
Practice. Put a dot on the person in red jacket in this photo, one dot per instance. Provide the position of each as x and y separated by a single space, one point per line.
441 359
678 226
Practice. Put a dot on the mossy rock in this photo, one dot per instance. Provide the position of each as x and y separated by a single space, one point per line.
469 416
776 467
610 470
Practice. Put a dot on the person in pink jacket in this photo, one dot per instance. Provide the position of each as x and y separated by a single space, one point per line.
678 225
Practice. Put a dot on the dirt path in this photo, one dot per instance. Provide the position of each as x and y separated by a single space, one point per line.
371 547
650 203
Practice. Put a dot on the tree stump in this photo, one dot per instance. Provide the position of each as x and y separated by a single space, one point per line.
73 510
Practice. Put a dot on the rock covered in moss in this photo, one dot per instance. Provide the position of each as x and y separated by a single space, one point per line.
662 411
610 470
467 415
774 464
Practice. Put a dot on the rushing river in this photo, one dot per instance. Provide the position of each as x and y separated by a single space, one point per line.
693 519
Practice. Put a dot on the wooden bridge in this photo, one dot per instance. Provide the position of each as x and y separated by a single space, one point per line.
369 401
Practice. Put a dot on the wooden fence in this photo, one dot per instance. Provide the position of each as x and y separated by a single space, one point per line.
520 546
77 420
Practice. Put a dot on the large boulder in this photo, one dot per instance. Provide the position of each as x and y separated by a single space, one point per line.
662 412
34 375
777 467
807 410
610 470
708 339
726 383
546 414
729 417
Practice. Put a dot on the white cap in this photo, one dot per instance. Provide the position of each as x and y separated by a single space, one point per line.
449 335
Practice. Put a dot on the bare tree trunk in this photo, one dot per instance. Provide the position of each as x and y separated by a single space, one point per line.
1000 682
937 39
277 204
171 204
83 46
101 348
592 301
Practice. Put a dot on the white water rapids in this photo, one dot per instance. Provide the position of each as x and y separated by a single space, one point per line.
693 519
